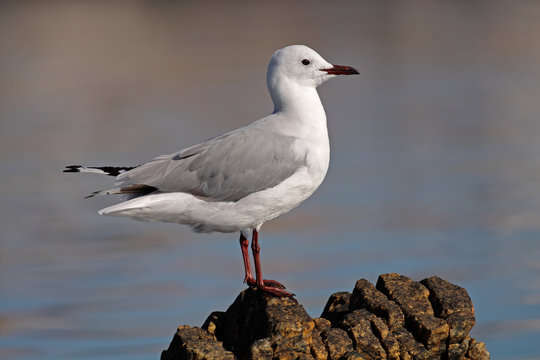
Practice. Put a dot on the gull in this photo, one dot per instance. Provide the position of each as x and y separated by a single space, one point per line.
238 181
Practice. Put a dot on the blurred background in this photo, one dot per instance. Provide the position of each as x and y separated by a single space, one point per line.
435 164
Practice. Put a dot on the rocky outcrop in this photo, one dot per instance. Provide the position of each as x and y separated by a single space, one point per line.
398 318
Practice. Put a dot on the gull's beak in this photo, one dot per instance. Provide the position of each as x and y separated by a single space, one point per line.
341 70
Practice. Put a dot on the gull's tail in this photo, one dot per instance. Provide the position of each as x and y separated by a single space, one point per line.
105 170
129 192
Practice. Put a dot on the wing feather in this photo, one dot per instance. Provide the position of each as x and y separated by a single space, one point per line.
226 168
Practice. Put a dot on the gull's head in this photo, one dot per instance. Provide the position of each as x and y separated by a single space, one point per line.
303 66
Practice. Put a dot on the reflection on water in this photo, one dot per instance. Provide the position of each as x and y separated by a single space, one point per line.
435 166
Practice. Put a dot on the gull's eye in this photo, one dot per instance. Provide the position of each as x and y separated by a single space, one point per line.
305 62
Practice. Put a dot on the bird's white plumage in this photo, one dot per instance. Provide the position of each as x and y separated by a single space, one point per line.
240 180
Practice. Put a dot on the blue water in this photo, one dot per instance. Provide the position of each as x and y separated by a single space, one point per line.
434 171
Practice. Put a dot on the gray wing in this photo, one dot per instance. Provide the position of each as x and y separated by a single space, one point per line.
226 168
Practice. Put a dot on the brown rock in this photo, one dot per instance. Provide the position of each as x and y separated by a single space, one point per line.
413 299
451 303
285 317
446 297
460 325
432 331
358 325
318 349
337 343
213 323
409 347
284 325
322 324
457 351
477 351
337 307
398 319
387 339
366 296
195 343
353 355
262 350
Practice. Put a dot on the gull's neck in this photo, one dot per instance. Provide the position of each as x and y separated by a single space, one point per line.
299 100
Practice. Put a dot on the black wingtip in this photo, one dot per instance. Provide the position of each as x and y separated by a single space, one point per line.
72 169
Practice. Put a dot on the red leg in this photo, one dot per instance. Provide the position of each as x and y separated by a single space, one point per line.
244 243
263 285
248 278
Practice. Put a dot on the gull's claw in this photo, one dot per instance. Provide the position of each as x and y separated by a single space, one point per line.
275 291
269 283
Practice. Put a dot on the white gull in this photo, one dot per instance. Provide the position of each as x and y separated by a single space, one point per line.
240 180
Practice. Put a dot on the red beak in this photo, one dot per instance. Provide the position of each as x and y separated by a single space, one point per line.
341 70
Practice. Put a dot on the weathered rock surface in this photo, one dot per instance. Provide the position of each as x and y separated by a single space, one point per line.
397 319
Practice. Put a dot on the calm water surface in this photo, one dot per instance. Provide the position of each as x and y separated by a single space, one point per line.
435 163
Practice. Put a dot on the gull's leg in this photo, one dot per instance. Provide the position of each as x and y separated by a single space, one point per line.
269 286
248 278
244 244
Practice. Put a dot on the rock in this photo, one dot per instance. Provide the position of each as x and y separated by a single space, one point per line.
322 324
413 299
195 343
409 347
366 296
457 351
262 349
359 326
447 298
337 307
257 323
337 343
213 323
397 319
477 351
453 304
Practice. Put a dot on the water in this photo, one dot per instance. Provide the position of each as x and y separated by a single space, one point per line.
435 167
